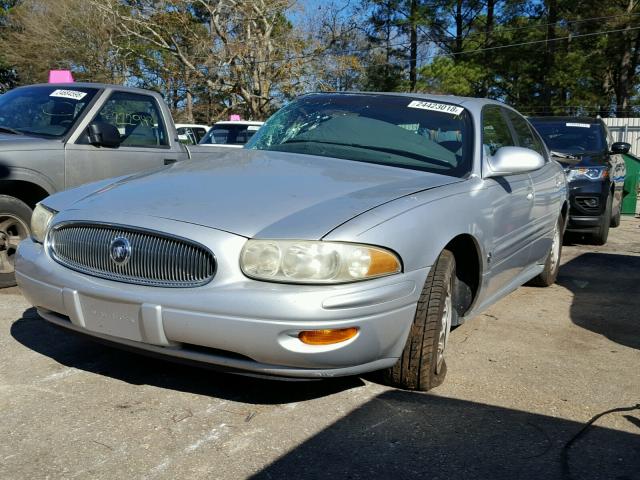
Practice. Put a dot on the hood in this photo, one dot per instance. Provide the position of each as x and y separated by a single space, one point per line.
25 142
256 193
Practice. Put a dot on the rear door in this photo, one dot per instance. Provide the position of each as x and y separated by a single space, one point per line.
547 196
145 142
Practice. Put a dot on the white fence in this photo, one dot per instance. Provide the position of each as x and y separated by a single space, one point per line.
625 130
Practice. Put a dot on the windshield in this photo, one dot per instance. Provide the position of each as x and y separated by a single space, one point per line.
572 137
230 134
47 111
388 130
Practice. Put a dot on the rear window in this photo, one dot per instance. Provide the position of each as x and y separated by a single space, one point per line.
571 136
230 134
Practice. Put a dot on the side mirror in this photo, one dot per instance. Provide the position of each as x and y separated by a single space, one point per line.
512 161
102 134
620 147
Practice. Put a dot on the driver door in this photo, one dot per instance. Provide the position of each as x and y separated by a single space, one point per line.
511 198
144 141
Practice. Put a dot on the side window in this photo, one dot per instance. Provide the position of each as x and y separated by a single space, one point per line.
199 133
526 137
137 118
495 130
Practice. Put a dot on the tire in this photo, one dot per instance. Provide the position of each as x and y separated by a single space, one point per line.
15 217
615 220
600 236
421 365
552 263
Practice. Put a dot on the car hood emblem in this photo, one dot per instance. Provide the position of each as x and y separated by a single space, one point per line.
120 250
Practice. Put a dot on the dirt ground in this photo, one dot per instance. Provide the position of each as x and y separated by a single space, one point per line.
523 380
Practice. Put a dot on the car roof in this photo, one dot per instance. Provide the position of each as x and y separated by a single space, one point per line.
468 102
238 122
100 86
200 125
590 120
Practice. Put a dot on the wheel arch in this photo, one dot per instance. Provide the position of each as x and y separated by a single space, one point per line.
466 251
26 191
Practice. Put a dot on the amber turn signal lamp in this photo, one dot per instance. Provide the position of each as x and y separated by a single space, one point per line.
327 336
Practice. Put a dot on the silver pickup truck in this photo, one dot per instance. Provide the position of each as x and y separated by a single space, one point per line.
57 136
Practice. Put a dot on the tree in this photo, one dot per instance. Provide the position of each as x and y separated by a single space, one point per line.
245 49
66 34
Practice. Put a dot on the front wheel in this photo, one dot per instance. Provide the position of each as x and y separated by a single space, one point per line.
422 365
15 217
600 236
615 220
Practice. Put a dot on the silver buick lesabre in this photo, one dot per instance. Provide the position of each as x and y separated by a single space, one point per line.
350 235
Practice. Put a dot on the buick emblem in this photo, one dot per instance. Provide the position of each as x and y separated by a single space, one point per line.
120 250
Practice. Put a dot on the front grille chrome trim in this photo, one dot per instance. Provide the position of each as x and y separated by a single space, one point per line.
157 259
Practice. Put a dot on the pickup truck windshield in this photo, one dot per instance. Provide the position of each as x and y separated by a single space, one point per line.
572 137
48 111
396 131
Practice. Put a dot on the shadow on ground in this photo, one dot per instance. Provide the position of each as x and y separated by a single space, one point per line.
80 352
401 435
606 297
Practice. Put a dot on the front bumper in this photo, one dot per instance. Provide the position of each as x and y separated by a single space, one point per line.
234 323
583 193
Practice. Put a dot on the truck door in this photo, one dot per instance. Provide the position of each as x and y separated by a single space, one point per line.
145 142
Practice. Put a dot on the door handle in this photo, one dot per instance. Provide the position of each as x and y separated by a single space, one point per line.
169 161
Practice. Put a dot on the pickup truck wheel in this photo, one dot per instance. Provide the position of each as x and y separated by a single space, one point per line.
552 263
600 236
15 217
422 365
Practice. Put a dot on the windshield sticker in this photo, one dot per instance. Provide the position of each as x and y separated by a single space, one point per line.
72 94
581 125
436 107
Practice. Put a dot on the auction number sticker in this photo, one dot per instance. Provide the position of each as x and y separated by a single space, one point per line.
72 94
580 125
436 107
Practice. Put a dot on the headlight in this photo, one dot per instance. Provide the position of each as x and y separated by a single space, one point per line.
299 261
589 173
40 221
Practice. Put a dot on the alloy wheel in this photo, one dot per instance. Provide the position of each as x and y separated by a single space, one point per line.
12 231
445 328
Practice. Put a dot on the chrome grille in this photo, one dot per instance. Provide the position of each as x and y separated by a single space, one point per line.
155 259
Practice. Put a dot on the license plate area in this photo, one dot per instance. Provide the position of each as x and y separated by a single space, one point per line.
112 318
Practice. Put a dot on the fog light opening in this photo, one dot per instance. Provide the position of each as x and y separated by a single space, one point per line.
327 336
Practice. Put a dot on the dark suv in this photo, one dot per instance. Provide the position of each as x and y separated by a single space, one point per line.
595 171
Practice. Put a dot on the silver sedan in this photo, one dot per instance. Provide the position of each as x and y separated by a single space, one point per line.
350 235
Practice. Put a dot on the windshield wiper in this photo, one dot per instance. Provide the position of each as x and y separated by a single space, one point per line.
393 151
563 155
10 130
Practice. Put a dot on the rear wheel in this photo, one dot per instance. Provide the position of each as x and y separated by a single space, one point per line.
15 217
552 263
600 236
422 365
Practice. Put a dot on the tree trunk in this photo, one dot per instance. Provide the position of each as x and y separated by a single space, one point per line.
627 67
488 31
549 56
459 27
413 47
